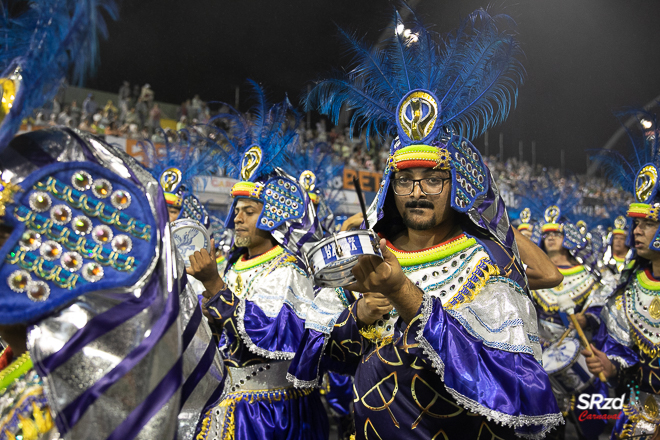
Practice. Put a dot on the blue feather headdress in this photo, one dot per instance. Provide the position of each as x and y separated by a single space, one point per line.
259 146
317 172
177 167
638 173
40 46
434 93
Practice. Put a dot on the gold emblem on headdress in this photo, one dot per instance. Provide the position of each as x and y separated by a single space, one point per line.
8 90
582 226
307 180
250 162
620 222
423 115
525 215
551 214
645 182
170 178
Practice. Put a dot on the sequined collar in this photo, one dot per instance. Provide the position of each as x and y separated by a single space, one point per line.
244 264
647 281
434 253
570 270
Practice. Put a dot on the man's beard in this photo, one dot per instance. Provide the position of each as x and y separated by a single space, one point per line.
419 225
243 241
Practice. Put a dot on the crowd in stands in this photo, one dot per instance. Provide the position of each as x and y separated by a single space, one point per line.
138 116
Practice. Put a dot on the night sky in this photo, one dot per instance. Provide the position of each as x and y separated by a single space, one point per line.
584 58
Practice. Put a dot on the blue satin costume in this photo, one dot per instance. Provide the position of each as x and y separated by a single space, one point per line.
261 315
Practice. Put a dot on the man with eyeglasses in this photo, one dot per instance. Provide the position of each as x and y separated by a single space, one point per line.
443 342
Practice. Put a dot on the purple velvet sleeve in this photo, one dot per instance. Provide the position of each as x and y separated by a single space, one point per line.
624 356
340 351
271 337
511 387
222 305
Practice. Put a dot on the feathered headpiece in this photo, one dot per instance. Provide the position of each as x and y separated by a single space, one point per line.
638 173
433 94
177 165
317 173
258 146
40 46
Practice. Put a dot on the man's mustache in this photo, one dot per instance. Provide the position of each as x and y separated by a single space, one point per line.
419 204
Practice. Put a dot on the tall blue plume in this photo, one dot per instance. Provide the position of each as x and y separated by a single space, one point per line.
42 44
475 72
642 148
274 128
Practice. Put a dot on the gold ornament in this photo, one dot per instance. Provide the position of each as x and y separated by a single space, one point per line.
651 407
307 180
525 215
645 183
620 222
9 88
551 214
654 308
250 162
419 125
7 191
170 179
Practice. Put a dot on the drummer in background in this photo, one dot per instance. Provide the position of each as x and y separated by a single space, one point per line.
581 284
338 388
444 341
261 302
525 227
628 341
617 251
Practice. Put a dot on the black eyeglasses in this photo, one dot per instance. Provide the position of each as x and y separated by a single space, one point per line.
430 186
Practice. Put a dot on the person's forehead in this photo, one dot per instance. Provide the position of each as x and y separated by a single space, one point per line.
248 203
422 171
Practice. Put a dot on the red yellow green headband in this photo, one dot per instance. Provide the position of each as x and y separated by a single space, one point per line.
419 156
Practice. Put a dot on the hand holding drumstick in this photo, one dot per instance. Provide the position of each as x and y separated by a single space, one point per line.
567 305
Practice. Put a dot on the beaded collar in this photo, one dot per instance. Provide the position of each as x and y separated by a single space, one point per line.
571 270
244 264
15 370
437 252
647 281
642 307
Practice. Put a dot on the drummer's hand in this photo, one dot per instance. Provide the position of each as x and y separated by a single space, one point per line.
372 306
581 319
599 362
353 222
203 267
375 274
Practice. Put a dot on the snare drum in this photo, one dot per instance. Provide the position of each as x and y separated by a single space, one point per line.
333 257
566 367
190 236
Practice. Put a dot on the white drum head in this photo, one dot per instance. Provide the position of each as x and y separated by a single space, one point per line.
190 236
559 357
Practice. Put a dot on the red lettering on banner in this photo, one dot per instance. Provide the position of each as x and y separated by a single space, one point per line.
584 415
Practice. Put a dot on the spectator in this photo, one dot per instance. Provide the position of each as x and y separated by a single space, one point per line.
183 123
89 106
154 118
75 113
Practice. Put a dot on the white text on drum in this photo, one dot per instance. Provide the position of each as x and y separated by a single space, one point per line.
589 401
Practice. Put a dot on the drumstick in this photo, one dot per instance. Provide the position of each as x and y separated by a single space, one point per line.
563 336
363 207
567 305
